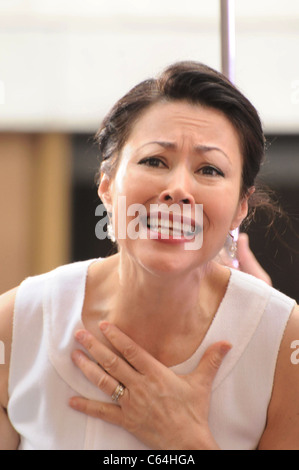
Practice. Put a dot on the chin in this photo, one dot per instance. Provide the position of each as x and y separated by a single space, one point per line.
165 263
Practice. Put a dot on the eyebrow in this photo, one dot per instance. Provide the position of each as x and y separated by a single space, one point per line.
198 148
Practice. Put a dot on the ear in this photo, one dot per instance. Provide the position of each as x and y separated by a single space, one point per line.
242 209
104 190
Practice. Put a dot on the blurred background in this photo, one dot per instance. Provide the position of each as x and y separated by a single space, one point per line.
63 64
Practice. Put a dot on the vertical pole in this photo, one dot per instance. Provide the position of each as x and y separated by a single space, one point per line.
227 23
228 38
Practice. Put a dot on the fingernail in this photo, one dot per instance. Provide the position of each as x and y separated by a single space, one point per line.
80 335
76 356
225 348
73 402
104 326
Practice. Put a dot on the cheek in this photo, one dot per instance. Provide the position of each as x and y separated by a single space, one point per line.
136 187
220 209
128 204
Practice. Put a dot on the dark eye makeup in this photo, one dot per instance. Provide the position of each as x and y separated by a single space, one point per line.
152 161
156 162
210 170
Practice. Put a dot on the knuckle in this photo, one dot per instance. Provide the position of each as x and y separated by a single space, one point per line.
216 354
130 351
98 411
110 363
102 382
215 360
88 343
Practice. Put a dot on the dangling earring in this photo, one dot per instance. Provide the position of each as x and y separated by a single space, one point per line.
232 246
110 229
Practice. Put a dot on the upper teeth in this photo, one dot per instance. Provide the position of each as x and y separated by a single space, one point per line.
166 224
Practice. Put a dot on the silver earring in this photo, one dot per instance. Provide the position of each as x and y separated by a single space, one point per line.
110 229
232 246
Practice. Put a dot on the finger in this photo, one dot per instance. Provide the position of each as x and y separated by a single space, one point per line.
105 411
134 354
211 362
114 365
94 373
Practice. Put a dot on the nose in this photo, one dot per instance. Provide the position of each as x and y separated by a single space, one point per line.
179 188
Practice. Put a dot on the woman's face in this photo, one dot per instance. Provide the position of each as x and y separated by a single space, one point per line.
181 154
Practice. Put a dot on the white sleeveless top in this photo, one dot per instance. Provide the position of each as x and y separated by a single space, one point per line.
252 317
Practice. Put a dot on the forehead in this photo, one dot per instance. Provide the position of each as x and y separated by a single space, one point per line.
176 120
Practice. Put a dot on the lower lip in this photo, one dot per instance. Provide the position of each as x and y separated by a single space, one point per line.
159 237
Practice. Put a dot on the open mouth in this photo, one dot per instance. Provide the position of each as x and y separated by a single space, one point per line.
172 226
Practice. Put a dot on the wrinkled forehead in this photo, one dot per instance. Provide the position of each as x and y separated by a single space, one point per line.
175 125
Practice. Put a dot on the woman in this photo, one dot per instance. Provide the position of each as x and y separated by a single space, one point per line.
180 352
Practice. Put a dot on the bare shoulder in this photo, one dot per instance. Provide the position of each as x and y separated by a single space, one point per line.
7 301
282 428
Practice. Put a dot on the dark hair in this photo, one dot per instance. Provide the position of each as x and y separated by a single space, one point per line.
195 83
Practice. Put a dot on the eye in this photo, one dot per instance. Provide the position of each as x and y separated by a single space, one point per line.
209 170
154 162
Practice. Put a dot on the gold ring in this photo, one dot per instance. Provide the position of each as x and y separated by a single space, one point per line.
118 392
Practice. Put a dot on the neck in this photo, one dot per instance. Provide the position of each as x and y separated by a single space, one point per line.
164 303
167 314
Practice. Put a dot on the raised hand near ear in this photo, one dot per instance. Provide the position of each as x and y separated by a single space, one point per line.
163 410
248 262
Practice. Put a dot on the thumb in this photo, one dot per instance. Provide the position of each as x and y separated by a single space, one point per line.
245 255
211 362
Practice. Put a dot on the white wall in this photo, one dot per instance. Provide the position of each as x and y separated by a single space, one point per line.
63 63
